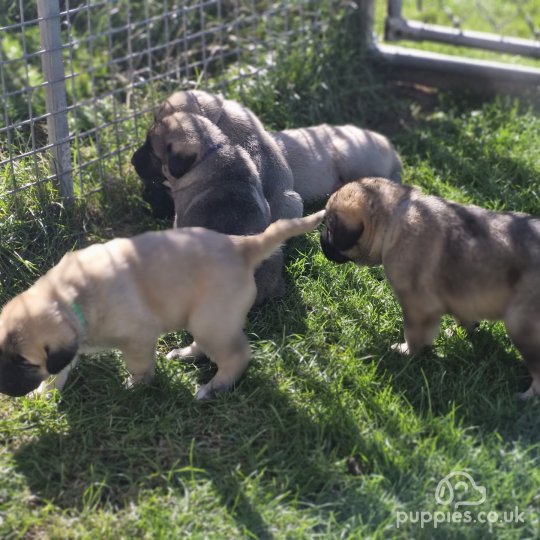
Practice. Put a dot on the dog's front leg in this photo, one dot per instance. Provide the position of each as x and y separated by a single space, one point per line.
58 381
140 362
420 331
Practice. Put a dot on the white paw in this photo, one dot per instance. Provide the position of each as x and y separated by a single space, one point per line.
450 332
528 394
186 354
131 382
205 392
134 380
45 389
401 348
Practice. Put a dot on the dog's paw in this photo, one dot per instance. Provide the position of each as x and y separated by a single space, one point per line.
209 391
401 348
134 380
182 354
205 392
527 395
186 354
45 389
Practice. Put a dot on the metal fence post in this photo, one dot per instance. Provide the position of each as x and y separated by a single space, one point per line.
55 89
369 15
394 17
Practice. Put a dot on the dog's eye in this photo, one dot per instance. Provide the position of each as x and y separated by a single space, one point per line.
22 362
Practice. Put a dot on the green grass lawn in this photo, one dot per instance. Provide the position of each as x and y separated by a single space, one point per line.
329 434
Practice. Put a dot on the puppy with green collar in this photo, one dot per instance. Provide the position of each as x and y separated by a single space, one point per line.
126 293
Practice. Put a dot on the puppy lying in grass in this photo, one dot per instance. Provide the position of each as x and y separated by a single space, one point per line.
322 158
295 165
440 258
127 292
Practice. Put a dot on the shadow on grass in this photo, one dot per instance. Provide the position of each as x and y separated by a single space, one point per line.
119 444
476 377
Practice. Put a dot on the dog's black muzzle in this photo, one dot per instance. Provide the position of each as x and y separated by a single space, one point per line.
330 252
147 165
18 377
154 193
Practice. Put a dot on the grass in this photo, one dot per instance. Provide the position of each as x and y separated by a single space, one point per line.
329 434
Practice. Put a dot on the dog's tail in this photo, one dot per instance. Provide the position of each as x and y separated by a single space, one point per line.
258 247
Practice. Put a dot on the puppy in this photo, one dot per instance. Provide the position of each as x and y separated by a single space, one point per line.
214 184
243 129
127 292
442 258
323 158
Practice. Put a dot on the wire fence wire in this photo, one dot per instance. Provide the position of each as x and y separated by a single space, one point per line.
79 78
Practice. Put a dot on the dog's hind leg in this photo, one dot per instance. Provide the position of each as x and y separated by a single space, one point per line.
217 329
231 358
289 205
523 326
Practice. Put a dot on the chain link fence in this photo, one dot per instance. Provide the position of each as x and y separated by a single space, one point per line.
79 78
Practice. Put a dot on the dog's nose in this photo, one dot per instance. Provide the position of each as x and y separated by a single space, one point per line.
330 252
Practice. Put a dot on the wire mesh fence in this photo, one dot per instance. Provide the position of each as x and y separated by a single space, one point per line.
79 78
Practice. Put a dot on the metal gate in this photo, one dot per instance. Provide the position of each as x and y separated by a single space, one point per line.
508 28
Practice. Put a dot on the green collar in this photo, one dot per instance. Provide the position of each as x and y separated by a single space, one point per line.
79 314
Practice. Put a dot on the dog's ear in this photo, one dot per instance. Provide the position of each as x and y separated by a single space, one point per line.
179 164
58 359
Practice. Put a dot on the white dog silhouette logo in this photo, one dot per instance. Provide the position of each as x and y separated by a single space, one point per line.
459 482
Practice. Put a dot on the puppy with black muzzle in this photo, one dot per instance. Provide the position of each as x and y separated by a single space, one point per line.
127 292
242 127
323 158
440 258
214 184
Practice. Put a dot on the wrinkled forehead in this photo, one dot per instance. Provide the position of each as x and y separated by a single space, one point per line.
7 336
157 137
346 206
22 308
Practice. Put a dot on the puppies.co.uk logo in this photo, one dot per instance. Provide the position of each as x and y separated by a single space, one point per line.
462 483
460 490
